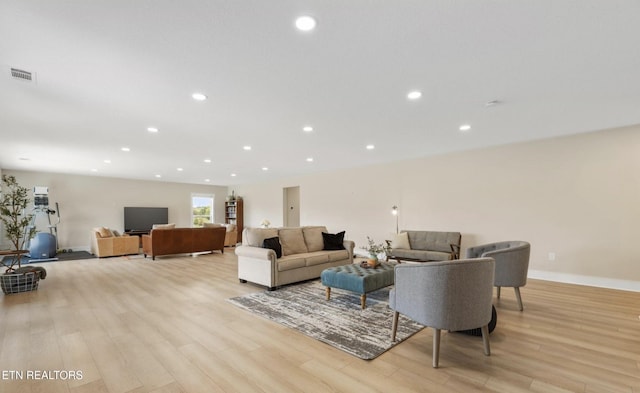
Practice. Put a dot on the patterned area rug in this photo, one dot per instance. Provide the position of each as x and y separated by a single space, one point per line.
339 322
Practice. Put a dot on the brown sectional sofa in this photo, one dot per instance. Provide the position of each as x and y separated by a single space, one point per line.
303 258
182 241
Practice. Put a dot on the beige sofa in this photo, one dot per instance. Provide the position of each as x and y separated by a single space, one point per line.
106 243
303 256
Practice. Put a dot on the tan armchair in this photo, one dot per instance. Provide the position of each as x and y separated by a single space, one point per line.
231 236
106 243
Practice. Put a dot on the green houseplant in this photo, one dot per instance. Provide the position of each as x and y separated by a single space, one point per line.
13 203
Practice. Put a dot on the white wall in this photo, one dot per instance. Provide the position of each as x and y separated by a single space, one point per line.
90 201
577 196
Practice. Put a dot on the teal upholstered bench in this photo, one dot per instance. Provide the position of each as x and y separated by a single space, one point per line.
358 279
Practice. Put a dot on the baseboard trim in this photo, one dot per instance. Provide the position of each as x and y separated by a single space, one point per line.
602 282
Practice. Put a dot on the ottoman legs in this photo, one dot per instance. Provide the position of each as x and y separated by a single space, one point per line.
363 298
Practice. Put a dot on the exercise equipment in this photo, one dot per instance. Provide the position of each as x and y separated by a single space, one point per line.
44 245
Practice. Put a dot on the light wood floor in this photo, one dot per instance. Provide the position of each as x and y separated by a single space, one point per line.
133 325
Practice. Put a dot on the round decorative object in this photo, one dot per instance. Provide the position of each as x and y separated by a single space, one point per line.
372 262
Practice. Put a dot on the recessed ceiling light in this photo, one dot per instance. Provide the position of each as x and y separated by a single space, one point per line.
125 149
198 96
207 180
306 23
264 168
152 129
307 128
24 159
207 160
233 175
414 95
465 127
94 170
491 103
107 161
310 159
247 147
179 169
370 147
158 176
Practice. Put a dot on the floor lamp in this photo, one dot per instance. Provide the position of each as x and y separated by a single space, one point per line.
394 211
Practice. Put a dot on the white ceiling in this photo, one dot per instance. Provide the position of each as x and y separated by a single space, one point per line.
108 69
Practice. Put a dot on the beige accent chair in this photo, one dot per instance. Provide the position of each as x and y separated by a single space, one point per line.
450 295
106 243
512 263
231 236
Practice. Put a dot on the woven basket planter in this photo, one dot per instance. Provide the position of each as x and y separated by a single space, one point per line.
19 282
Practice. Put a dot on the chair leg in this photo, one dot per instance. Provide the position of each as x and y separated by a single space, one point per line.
394 326
498 292
436 347
517 289
485 340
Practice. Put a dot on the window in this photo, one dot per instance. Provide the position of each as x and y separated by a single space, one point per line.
201 209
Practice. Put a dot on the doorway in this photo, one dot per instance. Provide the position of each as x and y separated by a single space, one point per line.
291 206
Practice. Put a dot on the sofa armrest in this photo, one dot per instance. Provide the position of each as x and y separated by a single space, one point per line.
349 245
256 252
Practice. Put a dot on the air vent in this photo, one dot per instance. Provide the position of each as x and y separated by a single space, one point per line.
21 75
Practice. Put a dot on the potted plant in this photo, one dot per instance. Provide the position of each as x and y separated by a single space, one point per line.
17 227
374 249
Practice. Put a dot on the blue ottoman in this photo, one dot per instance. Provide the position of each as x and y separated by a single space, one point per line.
358 279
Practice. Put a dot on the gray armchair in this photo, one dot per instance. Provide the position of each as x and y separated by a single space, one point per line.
512 263
450 295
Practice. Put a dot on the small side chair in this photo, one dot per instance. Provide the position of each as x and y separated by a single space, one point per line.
450 295
512 263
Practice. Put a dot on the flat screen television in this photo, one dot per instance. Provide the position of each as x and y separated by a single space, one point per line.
143 218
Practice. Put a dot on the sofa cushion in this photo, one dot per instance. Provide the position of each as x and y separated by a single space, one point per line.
434 241
255 236
313 238
401 240
274 244
333 241
292 241
316 258
421 255
291 262
338 255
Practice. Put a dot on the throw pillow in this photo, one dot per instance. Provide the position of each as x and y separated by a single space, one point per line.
401 240
105 232
274 244
333 241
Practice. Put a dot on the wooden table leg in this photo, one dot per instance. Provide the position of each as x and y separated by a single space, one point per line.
363 300
328 293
